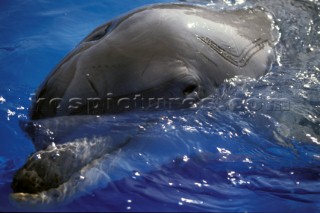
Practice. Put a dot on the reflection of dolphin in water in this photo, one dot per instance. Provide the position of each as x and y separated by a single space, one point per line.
175 54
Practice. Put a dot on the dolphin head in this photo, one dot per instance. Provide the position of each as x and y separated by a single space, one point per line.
167 55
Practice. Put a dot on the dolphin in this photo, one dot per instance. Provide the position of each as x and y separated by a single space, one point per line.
159 56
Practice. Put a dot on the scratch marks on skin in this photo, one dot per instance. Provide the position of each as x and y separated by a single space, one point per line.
240 60
147 65
90 70
93 87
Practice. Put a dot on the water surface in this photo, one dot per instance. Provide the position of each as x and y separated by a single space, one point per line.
255 148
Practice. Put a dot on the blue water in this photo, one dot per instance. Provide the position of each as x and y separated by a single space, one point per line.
223 156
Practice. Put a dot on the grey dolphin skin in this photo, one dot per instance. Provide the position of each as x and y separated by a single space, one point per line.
159 56
173 53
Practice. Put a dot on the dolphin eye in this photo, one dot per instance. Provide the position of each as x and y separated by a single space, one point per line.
100 33
189 89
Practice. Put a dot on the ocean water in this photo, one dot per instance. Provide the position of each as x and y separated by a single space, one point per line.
255 148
